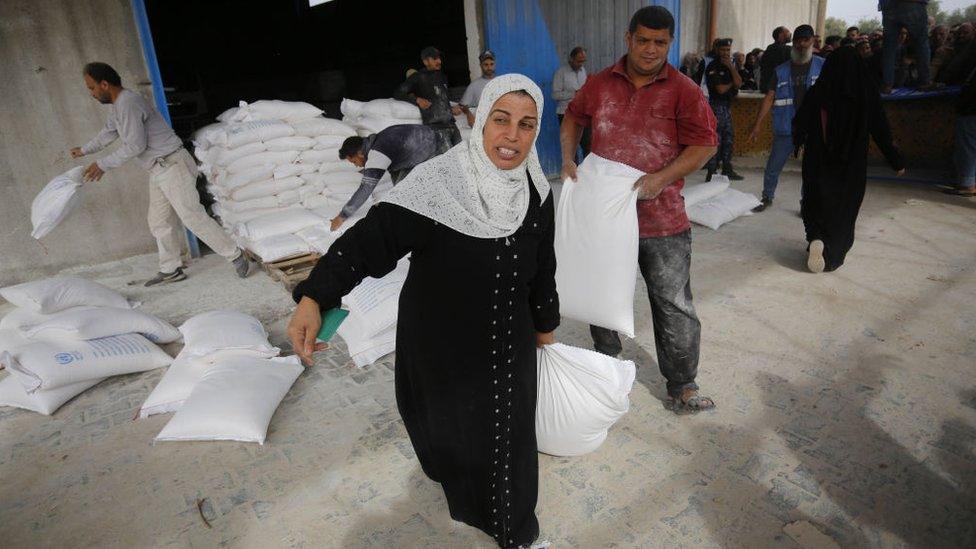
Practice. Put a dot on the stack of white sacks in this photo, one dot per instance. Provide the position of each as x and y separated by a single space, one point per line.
274 170
66 335
377 115
225 384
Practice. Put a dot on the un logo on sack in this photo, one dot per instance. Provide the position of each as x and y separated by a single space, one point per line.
64 358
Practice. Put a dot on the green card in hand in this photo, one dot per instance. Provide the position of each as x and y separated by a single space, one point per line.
331 320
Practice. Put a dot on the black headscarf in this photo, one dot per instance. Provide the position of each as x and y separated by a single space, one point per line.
844 90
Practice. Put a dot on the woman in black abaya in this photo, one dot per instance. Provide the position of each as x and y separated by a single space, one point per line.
840 112
479 297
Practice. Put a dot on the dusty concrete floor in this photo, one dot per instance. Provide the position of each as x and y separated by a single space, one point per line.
847 415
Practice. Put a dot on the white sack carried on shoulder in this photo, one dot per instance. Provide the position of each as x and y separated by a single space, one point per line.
315 127
727 206
581 394
234 399
275 224
390 108
58 293
214 331
12 393
55 201
48 365
694 194
236 135
375 301
596 245
102 322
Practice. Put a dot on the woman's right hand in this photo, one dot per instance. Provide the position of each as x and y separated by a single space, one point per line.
304 328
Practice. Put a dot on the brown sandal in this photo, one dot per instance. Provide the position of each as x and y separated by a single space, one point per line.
690 402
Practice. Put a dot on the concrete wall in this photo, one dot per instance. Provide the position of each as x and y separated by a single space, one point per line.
749 23
45 111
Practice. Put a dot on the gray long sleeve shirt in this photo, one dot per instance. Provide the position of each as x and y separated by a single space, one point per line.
145 134
565 83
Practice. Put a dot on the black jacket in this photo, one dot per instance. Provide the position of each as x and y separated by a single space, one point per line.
432 86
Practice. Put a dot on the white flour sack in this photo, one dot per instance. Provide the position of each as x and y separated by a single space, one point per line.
95 323
375 301
48 365
210 332
581 394
366 350
596 245
51 295
55 202
178 382
12 393
234 400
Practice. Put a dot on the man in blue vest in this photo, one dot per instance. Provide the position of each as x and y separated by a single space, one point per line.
787 88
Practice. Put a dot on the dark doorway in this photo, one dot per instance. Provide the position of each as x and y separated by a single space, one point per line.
215 53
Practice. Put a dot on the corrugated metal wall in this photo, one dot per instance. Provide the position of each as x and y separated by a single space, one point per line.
533 37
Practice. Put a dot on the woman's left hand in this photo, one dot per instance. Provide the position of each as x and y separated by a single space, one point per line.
543 339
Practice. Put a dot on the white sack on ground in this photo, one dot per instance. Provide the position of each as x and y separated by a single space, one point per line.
178 382
581 394
694 194
720 209
274 224
58 293
596 245
315 127
55 201
215 331
12 393
235 399
21 318
48 365
375 301
96 323
274 248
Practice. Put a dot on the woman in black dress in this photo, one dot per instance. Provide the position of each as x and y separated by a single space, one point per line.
480 296
839 113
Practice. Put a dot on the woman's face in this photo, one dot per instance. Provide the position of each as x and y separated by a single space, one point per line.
510 130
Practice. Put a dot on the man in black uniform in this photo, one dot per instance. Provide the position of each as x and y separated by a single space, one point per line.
723 82
396 149
427 89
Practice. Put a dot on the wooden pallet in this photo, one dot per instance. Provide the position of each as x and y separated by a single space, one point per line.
288 271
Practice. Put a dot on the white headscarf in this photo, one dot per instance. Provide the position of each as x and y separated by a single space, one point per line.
463 189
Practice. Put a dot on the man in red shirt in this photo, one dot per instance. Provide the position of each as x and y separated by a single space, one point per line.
646 114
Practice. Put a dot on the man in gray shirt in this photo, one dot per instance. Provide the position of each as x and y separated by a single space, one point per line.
568 79
472 94
173 197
